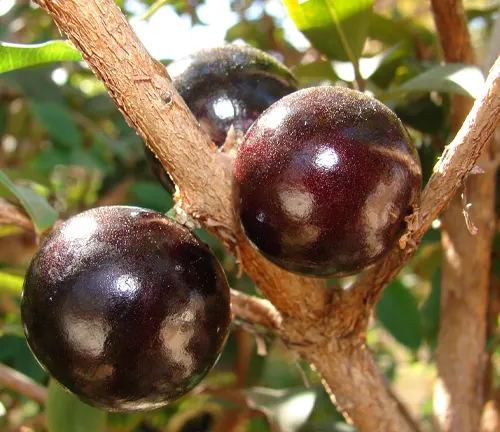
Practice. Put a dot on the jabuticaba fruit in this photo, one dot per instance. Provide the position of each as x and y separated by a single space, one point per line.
125 308
226 86
323 181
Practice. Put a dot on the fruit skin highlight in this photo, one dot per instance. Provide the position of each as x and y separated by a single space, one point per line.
125 308
323 181
229 86
226 86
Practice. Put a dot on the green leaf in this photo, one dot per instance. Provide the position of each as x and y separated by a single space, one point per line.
397 311
11 284
315 72
14 352
430 310
151 195
65 412
449 78
121 422
420 112
15 56
289 408
35 84
337 28
392 32
58 122
41 212
367 66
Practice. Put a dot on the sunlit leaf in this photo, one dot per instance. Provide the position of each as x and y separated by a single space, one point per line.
337 28
65 412
449 78
11 284
41 212
397 311
316 71
121 422
15 56
289 408
367 66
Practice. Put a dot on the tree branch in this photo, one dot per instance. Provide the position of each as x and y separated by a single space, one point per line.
255 310
143 92
455 164
13 380
465 272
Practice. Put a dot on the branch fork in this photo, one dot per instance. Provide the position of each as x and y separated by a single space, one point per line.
327 331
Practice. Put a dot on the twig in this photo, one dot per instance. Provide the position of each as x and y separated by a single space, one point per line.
255 310
21 384
11 215
153 8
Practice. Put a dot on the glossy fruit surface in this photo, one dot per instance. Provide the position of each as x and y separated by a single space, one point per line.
125 308
226 86
323 181
230 85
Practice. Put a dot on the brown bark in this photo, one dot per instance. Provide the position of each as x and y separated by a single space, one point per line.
13 380
458 396
351 368
255 310
326 326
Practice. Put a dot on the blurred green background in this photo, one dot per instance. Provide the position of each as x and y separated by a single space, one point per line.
64 147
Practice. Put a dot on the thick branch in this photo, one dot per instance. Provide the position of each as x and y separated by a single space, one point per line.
458 159
13 380
142 90
451 24
458 396
354 371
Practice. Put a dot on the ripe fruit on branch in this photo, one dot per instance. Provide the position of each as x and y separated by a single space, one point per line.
323 181
227 86
125 308
230 86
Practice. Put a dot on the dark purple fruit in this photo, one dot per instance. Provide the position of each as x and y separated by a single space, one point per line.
323 181
230 85
227 86
125 308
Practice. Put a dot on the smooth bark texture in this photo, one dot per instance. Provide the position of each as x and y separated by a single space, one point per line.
325 325
466 261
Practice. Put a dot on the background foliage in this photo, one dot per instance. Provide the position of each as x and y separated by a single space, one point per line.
64 148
